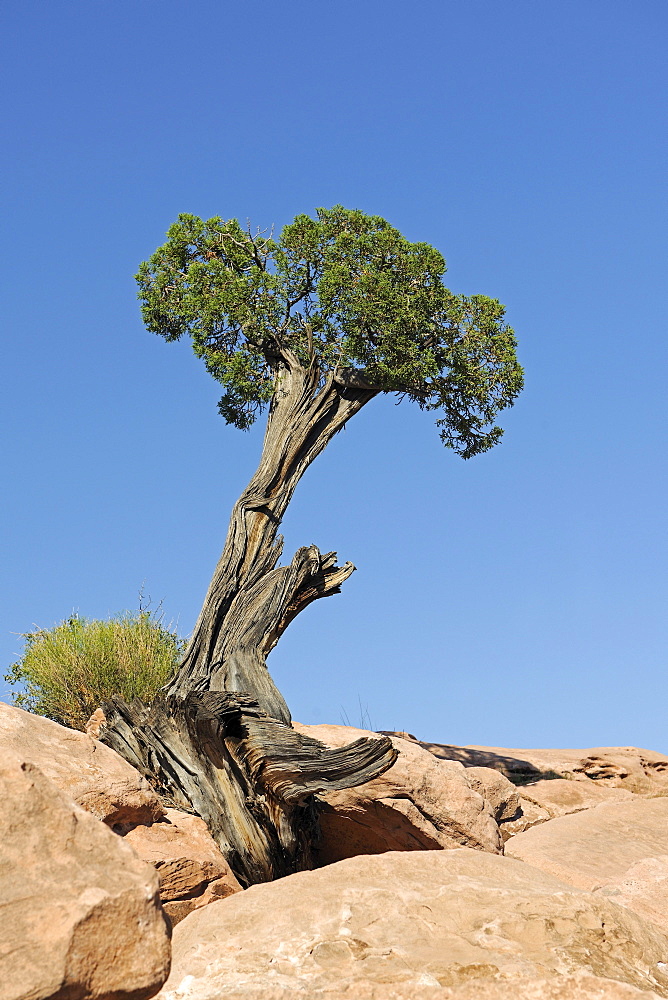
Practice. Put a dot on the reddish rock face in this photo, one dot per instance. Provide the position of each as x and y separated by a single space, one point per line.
461 924
420 803
95 776
190 866
80 912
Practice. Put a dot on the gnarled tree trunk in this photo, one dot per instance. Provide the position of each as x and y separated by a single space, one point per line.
218 741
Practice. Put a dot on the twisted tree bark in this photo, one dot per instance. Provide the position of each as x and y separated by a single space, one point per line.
218 740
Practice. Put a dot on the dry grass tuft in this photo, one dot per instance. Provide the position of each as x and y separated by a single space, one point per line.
68 670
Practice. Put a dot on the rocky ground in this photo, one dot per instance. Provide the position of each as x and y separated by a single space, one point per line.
463 873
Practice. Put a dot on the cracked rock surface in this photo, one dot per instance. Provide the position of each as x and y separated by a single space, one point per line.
459 923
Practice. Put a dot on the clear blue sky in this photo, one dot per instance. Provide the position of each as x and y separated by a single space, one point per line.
518 599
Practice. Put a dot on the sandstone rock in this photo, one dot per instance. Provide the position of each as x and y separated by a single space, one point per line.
80 912
562 796
555 783
191 869
95 776
530 815
574 987
461 923
497 789
587 848
420 803
641 771
551 797
95 723
643 888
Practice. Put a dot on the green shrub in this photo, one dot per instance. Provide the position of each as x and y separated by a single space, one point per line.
68 670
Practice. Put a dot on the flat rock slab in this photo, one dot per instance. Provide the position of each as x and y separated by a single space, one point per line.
81 918
547 799
577 987
420 803
409 922
588 848
561 796
94 775
643 888
574 987
190 866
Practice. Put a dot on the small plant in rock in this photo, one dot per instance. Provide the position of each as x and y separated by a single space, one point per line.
68 670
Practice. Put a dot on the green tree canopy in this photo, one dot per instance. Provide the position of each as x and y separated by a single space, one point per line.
343 293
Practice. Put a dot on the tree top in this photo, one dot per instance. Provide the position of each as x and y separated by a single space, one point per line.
344 294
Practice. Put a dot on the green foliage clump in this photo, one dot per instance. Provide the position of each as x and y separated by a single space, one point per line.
342 293
68 670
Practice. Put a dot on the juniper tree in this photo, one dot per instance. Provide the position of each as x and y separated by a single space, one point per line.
308 327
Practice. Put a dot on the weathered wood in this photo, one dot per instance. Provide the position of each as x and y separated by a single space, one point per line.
251 778
218 741
303 418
